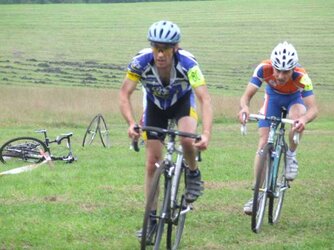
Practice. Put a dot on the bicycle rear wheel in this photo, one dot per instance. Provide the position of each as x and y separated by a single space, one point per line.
280 186
159 200
104 133
261 188
179 208
91 131
22 149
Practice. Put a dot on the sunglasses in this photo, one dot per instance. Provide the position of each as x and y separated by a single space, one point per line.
161 47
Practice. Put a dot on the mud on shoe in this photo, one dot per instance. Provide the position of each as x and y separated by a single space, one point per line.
194 185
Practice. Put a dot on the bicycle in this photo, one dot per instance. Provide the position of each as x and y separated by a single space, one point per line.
270 181
34 150
97 125
167 193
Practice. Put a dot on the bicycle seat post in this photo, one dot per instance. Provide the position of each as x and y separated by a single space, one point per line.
47 140
69 144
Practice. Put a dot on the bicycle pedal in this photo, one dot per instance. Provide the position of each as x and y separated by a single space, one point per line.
187 209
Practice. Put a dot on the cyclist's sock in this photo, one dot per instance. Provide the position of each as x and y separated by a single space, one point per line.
290 153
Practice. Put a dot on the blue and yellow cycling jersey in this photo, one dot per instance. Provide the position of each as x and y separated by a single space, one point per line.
185 75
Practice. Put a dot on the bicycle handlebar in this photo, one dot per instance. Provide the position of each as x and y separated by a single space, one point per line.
257 117
58 139
271 118
171 132
62 137
158 130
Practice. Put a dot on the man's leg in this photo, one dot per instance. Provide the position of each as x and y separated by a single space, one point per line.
153 156
263 134
291 173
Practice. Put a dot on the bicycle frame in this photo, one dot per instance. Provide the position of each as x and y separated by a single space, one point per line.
69 157
276 138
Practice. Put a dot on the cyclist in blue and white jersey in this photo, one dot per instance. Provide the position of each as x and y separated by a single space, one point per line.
172 79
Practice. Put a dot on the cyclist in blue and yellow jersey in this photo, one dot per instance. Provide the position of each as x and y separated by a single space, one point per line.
288 85
172 79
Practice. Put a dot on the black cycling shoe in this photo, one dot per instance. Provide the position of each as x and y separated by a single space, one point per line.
194 186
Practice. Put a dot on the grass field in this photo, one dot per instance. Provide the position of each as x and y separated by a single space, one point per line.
62 64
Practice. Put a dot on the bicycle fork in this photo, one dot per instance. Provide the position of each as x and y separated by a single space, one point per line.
175 187
276 157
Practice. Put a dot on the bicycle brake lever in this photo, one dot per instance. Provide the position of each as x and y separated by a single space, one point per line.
134 144
243 128
296 138
199 156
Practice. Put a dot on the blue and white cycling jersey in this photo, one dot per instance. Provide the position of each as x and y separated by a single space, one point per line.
185 75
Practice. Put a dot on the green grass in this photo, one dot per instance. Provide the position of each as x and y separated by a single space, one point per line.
97 202
47 51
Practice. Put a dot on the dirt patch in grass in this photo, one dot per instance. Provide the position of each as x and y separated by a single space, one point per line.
233 185
62 73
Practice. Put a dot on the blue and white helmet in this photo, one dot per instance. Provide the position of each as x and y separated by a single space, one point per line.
284 56
164 32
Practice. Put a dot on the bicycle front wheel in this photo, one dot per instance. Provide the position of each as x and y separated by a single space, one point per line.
91 131
261 188
22 149
158 200
104 133
279 188
179 208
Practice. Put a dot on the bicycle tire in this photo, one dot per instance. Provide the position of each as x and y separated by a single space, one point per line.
279 188
178 206
20 149
91 131
159 198
262 185
104 132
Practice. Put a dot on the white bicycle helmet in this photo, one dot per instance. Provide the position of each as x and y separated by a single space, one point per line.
164 32
284 56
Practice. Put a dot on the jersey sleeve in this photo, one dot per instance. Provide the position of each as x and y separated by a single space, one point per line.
308 86
196 77
133 76
257 77
306 82
138 64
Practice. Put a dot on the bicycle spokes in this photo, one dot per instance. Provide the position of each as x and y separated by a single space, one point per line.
22 151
